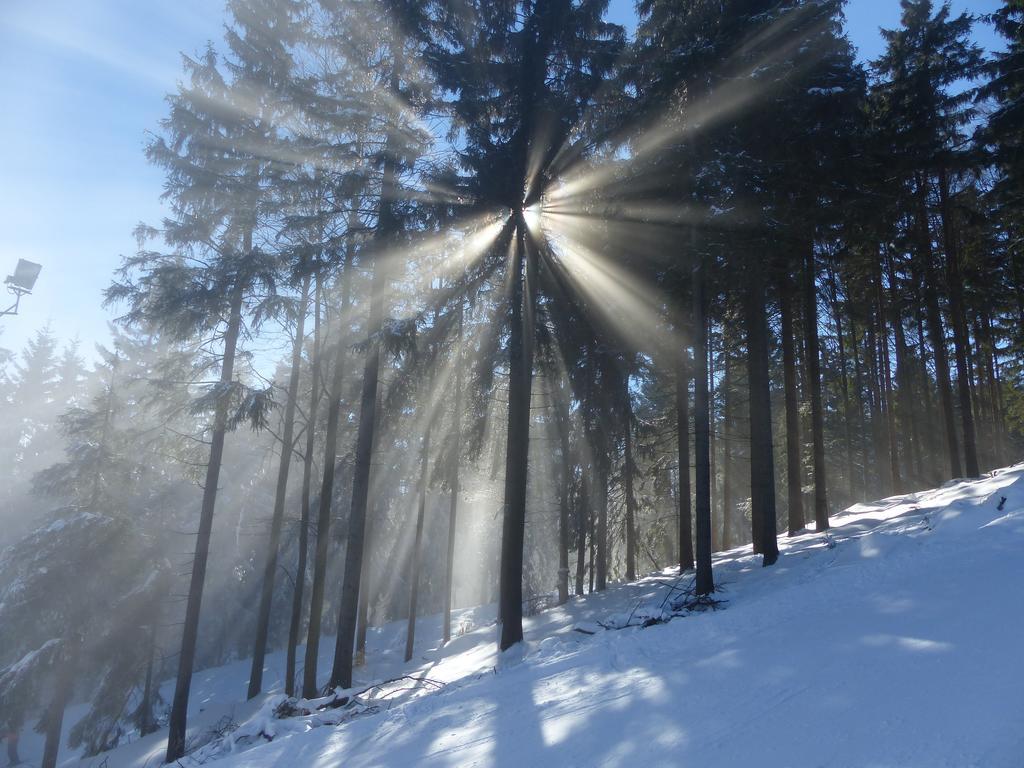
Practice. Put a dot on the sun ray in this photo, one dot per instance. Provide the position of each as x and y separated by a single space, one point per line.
633 310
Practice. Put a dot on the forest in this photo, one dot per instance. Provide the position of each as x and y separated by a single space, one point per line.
464 302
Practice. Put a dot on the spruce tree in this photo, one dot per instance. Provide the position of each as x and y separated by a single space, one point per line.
517 119
917 90
203 288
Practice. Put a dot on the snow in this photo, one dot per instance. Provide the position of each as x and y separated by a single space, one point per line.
895 640
10 675
825 91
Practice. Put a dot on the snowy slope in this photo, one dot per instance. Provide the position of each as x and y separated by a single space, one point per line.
896 641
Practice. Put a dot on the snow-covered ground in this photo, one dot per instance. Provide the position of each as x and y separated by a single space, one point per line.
897 640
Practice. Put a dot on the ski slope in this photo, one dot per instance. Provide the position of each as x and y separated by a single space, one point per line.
894 641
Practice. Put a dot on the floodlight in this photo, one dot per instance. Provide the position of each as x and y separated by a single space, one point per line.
25 275
21 283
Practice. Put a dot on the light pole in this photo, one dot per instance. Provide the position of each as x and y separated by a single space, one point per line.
20 283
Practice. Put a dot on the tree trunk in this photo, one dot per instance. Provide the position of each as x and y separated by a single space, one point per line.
704 583
845 383
563 496
363 613
64 687
387 227
930 428
627 471
710 345
794 491
727 457
858 381
414 561
821 522
510 606
890 410
683 446
904 395
582 516
369 573
999 448
1000 404
325 502
936 333
762 464
294 626
601 472
187 657
592 524
453 475
287 447
960 339
875 389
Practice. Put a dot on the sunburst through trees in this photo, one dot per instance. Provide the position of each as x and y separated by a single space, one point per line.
549 303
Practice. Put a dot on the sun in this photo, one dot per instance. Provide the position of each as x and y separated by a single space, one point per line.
532 215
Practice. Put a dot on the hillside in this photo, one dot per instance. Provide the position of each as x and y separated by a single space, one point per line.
893 641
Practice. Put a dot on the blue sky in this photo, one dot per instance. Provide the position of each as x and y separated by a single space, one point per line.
82 81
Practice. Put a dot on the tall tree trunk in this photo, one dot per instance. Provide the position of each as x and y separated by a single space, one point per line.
727 457
837 318
582 516
417 542
890 410
294 626
999 448
683 448
562 405
453 479
53 721
712 420
368 581
1000 404
877 414
187 657
858 381
387 228
280 493
704 583
592 525
814 382
960 339
762 464
794 491
601 498
369 573
904 398
930 428
627 471
325 502
936 332
510 604
980 388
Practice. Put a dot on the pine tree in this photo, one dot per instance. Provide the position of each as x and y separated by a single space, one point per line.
401 145
260 37
509 157
924 60
99 546
203 288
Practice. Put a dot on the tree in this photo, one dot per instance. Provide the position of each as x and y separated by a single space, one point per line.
402 143
924 60
96 566
216 187
27 414
509 156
